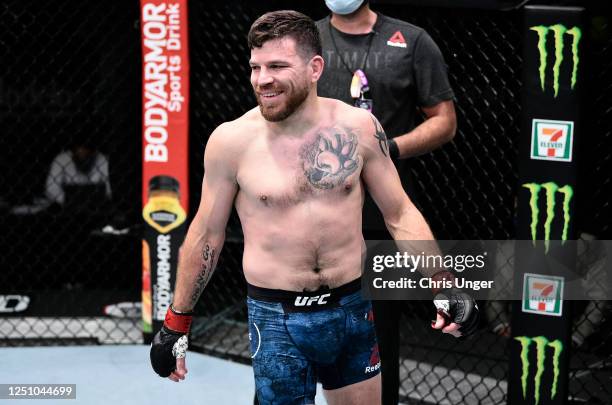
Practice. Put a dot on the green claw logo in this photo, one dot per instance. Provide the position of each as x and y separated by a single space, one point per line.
541 344
559 31
551 190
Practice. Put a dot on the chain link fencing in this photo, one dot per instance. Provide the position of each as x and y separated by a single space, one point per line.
72 73
70 164
466 190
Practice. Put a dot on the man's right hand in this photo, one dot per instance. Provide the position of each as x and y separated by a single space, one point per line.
169 346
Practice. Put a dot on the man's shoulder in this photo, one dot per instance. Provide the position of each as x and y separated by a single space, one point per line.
101 157
322 22
393 24
63 157
237 131
349 116
341 110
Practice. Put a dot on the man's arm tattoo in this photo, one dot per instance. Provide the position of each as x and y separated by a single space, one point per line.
379 133
206 270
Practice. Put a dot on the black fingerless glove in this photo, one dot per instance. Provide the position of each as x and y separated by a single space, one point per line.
170 342
456 306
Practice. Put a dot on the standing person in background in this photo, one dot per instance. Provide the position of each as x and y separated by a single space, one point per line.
391 68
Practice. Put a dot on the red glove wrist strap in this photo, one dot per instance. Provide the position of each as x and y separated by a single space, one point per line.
178 322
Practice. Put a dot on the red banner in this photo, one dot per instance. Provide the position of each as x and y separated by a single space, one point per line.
165 77
165 120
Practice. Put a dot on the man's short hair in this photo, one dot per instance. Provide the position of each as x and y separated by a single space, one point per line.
287 23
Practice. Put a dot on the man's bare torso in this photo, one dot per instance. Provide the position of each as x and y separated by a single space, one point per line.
300 200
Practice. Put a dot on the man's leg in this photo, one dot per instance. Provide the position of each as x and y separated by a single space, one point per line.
283 375
362 393
354 377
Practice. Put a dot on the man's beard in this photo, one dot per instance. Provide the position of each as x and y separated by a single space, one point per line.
298 95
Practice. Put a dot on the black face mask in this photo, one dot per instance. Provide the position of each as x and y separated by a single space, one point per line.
84 165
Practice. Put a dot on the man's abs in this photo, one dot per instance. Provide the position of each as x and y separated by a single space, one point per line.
297 250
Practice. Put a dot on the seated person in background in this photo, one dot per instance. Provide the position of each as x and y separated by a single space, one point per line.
82 165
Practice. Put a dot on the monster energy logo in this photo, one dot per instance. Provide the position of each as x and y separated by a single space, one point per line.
559 31
541 343
551 189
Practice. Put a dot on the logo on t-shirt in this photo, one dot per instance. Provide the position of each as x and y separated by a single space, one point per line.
397 40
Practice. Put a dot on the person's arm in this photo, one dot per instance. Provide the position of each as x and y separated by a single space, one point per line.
199 253
407 226
105 174
435 96
402 218
197 256
55 179
438 128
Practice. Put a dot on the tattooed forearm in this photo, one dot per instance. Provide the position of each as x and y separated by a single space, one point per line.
379 133
206 270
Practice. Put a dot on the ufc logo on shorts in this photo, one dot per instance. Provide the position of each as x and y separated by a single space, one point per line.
308 301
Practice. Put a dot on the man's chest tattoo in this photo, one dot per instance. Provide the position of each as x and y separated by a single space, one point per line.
331 157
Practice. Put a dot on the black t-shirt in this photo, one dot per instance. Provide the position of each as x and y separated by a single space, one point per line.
404 68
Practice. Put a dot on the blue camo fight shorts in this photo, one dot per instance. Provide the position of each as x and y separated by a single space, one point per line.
302 338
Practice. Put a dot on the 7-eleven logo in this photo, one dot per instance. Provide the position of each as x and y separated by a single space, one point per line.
543 294
552 140
397 40
545 290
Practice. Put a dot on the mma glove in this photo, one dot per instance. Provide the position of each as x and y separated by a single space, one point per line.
170 343
393 149
456 306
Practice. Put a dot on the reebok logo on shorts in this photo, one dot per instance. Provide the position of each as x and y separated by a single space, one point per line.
308 301
374 360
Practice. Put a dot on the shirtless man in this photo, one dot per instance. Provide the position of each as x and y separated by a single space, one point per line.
296 168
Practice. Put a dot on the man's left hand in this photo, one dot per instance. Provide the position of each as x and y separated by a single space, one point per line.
457 312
